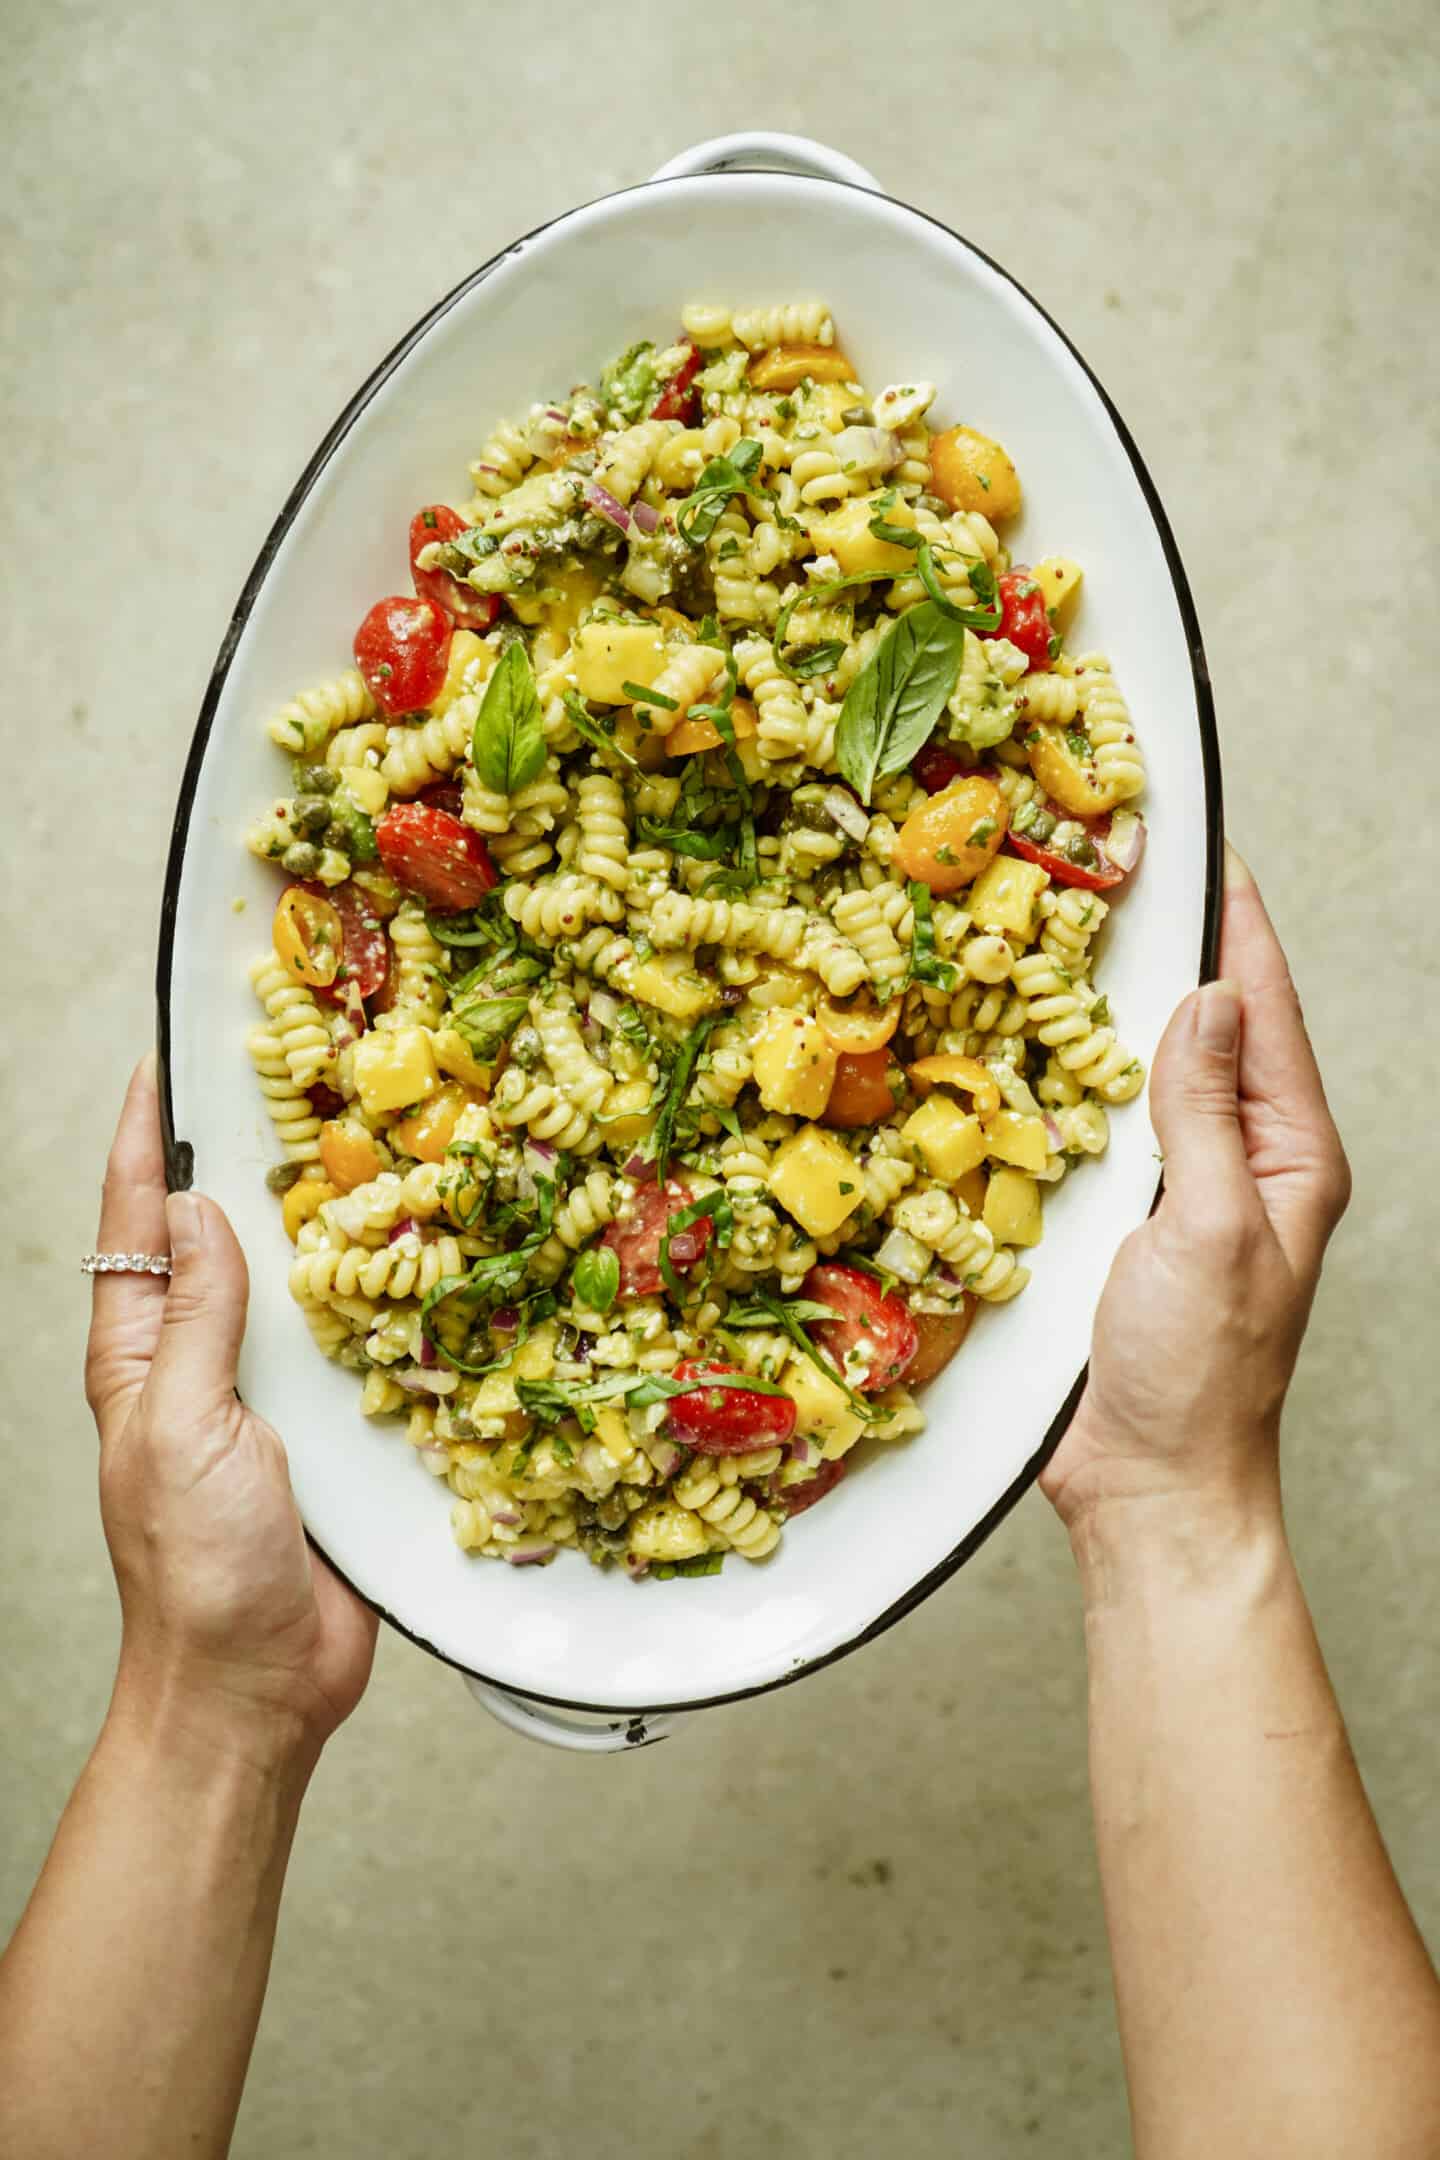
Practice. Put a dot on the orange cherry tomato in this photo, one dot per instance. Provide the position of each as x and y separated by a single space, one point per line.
861 1093
958 1072
859 1025
941 1335
947 841
692 735
348 1153
309 937
427 1133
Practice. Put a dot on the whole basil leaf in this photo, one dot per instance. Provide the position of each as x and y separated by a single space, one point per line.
508 746
596 1278
895 700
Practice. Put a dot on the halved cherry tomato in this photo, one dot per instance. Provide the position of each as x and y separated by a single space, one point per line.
1023 618
860 1093
726 1420
794 1499
935 767
400 650
1096 876
348 1153
446 795
679 400
858 1025
872 1337
947 841
366 961
941 1335
635 1239
309 937
946 1070
324 1101
433 854
470 609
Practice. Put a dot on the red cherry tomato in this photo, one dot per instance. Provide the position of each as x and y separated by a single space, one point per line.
941 1335
1023 618
400 649
1096 876
470 609
446 795
433 854
324 1101
635 1241
366 961
794 1499
935 767
679 400
873 1337
727 1420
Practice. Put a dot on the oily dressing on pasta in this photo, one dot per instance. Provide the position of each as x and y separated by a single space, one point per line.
682 995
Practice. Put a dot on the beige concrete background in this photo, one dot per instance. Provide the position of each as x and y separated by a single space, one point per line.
860 1916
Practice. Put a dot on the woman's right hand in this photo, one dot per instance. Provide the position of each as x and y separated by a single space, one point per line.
1202 1317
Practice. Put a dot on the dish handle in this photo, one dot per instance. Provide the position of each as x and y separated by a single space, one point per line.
763 151
585 1732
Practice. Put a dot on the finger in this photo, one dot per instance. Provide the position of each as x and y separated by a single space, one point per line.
125 1309
193 1370
1295 1150
1194 1100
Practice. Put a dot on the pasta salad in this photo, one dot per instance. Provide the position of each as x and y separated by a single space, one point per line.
682 994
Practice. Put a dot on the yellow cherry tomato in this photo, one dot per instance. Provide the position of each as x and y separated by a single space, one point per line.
348 1153
859 1026
958 1072
309 937
948 840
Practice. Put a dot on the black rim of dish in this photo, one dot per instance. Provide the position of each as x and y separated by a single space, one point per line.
179 1156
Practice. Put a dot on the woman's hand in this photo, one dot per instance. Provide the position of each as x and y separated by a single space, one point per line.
1201 1320
234 1630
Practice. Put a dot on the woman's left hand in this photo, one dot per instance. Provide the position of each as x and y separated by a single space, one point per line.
232 1626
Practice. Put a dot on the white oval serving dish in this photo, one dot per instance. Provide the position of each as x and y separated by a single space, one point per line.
912 299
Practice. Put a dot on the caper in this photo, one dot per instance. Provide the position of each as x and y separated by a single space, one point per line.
282 1175
935 505
525 1047
315 779
301 859
339 835
858 416
1042 827
1082 850
309 813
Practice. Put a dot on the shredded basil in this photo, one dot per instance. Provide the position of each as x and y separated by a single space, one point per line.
771 1311
699 514
675 1088
925 964
716 1207
593 731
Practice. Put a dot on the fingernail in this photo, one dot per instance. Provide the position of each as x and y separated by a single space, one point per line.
184 1222
1217 1015
1237 870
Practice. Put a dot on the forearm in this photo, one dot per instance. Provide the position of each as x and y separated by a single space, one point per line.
1274 1995
130 1993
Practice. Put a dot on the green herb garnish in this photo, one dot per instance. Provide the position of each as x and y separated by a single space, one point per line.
508 744
895 700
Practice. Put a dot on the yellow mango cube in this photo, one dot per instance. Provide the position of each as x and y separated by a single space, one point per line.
1013 1213
367 788
628 1115
669 981
607 654
794 1064
815 1179
822 1410
845 533
467 664
395 1068
534 1360
1011 1137
950 1142
667 1531
1006 894
304 1199
613 1434
1059 580
971 1189
454 1056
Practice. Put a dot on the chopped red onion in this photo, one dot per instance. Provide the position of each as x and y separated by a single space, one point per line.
838 803
505 1319
1125 841
800 1451
508 1516
603 503
867 449
530 1555
418 1382
645 517
406 1227
542 1151
637 1167
685 1248
665 1456
1053 1134
429 1355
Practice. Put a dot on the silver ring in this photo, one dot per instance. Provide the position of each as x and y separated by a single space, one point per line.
125 1263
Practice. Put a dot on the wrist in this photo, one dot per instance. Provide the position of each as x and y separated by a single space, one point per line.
1172 1543
206 1733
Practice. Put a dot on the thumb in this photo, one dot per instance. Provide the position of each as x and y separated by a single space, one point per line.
1194 1091
204 1317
